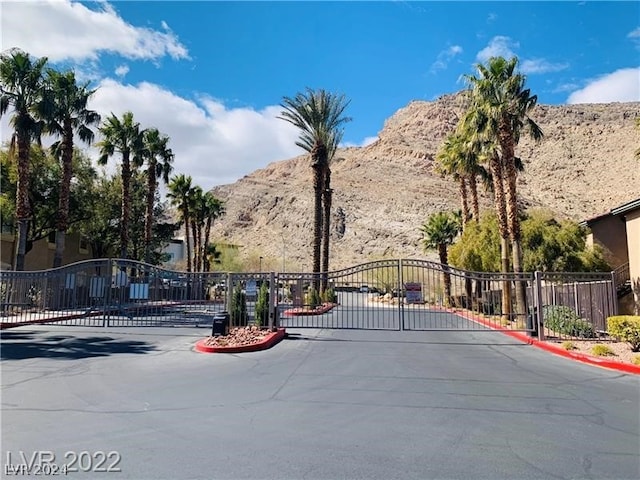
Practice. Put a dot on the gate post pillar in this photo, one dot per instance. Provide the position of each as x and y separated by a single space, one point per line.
538 314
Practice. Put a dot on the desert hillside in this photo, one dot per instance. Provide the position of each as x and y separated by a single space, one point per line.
584 166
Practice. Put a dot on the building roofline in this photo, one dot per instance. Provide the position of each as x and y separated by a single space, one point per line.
619 210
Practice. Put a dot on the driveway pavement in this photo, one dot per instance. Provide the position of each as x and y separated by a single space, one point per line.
323 404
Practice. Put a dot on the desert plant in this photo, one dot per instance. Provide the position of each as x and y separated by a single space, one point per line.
568 345
329 296
262 306
625 328
565 320
602 351
312 298
238 307
636 360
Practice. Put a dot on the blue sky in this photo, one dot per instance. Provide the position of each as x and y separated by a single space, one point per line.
211 74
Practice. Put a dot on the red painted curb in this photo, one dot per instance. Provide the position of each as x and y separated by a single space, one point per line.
580 357
269 341
294 312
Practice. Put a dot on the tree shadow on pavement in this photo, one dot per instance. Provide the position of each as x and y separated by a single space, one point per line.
19 346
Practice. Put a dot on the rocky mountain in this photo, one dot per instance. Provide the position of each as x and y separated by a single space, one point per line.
385 191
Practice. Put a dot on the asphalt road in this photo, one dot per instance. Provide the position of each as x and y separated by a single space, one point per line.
324 404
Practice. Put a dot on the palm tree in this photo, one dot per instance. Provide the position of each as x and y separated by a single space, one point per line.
178 194
499 96
439 232
213 208
159 157
22 88
450 162
318 115
125 137
195 199
69 116
327 198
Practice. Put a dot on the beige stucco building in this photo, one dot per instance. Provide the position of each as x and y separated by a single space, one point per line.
40 257
618 233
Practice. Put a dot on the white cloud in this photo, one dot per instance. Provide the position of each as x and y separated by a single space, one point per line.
540 65
363 143
620 86
499 46
65 30
444 57
634 33
212 143
122 70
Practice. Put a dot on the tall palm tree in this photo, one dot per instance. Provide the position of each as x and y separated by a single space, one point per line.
158 157
22 89
195 199
440 230
125 137
213 208
69 116
499 94
450 158
178 194
318 115
327 199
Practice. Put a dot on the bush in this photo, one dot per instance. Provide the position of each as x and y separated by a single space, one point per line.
239 307
312 298
262 306
625 328
568 346
636 360
564 320
602 351
329 296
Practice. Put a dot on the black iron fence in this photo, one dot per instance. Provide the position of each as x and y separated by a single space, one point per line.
384 295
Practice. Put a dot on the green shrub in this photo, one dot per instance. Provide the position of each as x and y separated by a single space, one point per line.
238 307
564 320
262 306
602 351
568 346
312 298
625 328
329 296
636 360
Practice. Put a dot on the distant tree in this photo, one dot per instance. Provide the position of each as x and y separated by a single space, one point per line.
439 232
125 137
22 89
319 115
500 108
67 116
548 245
158 157
179 195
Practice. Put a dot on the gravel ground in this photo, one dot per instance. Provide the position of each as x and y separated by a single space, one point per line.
622 350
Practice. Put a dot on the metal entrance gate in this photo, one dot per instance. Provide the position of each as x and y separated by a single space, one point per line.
380 295
403 295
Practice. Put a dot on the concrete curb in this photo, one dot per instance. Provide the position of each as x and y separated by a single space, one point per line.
269 341
580 357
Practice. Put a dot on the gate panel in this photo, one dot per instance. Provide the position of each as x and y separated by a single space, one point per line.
440 297
362 298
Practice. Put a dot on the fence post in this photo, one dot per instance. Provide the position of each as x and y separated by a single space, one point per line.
273 300
400 297
229 297
613 295
539 310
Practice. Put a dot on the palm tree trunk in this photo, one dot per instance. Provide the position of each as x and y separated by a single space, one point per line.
23 210
318 181
501 210
187 234
148 217
196 243
442 253
63 202
326 226
514 221
464 200
475 205
205 245
126 205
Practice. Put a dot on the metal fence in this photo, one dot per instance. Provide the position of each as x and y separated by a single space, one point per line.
381 295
